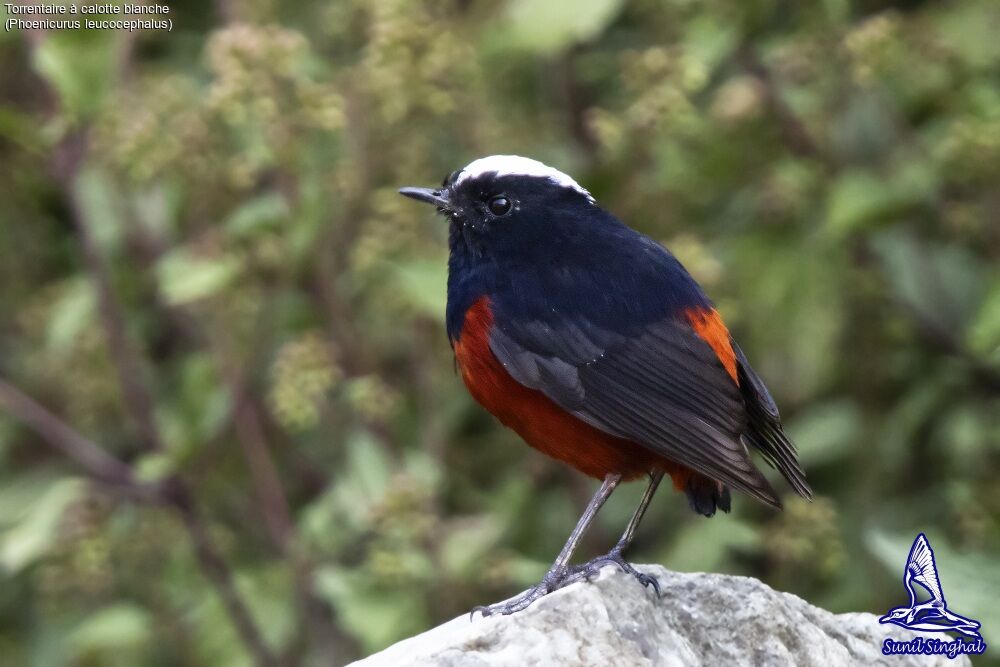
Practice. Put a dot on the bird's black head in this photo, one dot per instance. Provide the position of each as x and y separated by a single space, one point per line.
504 198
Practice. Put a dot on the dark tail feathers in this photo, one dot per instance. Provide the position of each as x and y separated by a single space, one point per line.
764 431
705 495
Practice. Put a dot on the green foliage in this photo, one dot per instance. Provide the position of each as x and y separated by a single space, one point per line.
33 534
80 66
548 27
114 635
828 171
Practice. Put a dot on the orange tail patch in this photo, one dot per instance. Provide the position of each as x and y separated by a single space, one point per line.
710 328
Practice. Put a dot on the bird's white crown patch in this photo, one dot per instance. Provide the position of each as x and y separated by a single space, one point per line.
511 165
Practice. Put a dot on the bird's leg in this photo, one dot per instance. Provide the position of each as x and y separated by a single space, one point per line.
626 539
554 578
616 555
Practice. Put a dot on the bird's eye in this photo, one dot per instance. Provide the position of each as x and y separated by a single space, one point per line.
500 205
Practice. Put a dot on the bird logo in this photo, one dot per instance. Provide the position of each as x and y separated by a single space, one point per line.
931 615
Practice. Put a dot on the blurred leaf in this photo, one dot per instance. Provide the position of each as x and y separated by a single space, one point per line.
269 594
100 208
423 282
710 39
984 333
199 410
526 571
941 283
865 132
156 208
19 494
155 467
548 27
364 480
326 525
424 468
185 277
703 545
81 65
790 337
113 635
826 432
963 435
837 10
859 199
969 29
71 314
7 430
29 539
368 464
375 617
911 413
20 128
467 542
261 212
311 217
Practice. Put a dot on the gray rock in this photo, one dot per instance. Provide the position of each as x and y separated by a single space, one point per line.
702 619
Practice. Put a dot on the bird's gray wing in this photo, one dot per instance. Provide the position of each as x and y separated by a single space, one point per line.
662 387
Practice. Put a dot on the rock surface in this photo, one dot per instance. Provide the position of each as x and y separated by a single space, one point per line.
702 619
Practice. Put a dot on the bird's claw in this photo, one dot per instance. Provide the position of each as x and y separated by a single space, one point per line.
552 581
522 601
614 557
556 579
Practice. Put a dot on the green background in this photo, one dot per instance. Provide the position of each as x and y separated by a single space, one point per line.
269 334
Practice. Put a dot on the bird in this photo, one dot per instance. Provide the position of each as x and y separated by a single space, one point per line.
593 343
933 614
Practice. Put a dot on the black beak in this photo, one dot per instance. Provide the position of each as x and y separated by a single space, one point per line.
437 197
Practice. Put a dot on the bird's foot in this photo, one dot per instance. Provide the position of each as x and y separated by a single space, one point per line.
552 581
560 578
591 568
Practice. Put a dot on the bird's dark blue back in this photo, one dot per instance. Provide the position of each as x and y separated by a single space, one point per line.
571 260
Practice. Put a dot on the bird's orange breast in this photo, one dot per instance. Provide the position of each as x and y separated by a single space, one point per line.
536 418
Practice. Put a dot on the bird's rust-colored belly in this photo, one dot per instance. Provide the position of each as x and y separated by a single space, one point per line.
537 419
